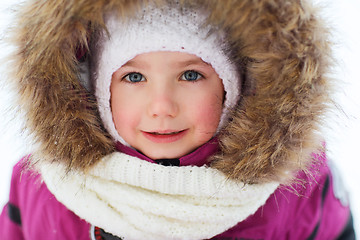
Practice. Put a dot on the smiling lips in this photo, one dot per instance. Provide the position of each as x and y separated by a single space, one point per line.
167 136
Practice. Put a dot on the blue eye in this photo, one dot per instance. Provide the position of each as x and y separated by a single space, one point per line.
191 76
134 77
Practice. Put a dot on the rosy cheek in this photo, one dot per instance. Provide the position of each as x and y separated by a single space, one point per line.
119 117
208 114
118 121
125 120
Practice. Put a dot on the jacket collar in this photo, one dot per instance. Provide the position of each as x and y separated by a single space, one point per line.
199 157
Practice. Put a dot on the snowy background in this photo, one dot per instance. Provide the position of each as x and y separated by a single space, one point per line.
342 133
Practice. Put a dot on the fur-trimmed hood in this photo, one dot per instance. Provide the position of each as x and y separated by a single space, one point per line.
279 47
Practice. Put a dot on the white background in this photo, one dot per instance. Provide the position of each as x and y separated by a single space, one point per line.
343 127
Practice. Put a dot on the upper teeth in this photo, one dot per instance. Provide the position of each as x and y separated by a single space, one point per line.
156 133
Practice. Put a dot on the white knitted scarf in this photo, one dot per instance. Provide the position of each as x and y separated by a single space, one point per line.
134 199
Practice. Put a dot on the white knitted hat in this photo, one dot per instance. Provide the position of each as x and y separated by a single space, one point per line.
160 29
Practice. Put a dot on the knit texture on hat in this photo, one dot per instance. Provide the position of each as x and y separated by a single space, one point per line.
160 29
135 199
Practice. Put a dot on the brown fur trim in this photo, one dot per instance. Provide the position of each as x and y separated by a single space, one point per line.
280 45
274 132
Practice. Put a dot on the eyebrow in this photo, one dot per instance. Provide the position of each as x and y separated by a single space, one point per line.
184 63
192 62
132 63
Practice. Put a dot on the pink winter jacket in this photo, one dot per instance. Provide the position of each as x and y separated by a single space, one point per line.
311 210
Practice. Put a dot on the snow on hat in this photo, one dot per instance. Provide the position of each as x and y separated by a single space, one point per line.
160 29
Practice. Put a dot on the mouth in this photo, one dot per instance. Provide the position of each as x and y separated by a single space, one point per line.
166 132
166 136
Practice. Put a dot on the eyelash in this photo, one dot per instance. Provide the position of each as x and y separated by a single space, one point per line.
126 77
199 76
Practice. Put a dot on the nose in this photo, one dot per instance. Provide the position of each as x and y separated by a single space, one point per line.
163 103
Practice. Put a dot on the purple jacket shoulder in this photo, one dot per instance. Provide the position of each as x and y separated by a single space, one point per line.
309 209
33 212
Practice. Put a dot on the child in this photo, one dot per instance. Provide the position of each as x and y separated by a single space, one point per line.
198 121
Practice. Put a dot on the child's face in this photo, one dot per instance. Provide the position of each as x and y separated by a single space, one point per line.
166 104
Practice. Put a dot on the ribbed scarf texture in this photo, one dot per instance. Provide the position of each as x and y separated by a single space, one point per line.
134 199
